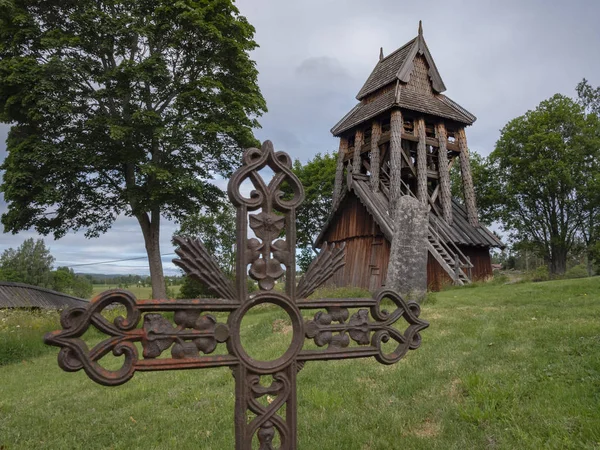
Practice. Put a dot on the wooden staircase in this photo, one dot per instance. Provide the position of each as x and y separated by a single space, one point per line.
446 253
452 260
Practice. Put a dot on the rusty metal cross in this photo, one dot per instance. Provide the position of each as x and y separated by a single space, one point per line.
196 335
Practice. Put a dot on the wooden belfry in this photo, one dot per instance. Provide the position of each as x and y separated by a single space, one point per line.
198 340
402 138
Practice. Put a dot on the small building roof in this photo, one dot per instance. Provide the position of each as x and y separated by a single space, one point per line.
20 295
461 231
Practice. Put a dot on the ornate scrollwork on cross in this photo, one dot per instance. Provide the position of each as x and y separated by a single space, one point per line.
342 328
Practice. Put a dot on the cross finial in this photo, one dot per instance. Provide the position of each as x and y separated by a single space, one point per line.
420 28
380 53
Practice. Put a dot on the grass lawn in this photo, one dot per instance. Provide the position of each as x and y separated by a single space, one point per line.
501 367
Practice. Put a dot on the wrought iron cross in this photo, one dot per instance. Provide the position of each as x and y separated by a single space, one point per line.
196 334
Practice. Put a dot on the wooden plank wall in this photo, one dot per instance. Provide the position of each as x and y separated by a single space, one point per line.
368 252
437 277
481 260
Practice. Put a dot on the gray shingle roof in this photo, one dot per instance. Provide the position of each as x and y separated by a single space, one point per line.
19 295
394 68
386 70
461 231
437 105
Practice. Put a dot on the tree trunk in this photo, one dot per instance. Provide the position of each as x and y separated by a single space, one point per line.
589 265
151 232
558 263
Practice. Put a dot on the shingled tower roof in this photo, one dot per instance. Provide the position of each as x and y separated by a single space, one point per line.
390 85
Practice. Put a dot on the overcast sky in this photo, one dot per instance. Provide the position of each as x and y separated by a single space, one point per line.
498 59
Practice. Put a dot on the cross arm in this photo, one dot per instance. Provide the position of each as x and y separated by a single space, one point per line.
368 328
192 338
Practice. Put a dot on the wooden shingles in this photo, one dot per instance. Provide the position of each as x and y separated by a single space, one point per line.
461 232
437 105
386 70
19 295
379 93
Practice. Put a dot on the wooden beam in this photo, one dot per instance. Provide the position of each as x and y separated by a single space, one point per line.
396 152
409 163
339 172
444 170
467 178
434 142
375 159
358 143
422 193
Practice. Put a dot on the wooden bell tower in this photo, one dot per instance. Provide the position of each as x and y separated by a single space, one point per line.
402 138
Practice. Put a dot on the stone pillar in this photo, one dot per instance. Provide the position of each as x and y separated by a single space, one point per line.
467 178
396 126
421 162
339 172
375 163
356 160
407 269
445 192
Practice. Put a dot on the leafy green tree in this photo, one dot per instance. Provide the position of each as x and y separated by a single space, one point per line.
318 177
30 263
193 289
588 96
483 182
217 231
536 172
304 258
589 192
67 281
122 107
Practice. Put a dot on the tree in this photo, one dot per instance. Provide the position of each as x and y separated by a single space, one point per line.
122 107
485 196
217 231
30 263
317 176
536 170
67 281
589 192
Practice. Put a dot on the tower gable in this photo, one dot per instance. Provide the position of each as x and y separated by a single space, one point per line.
419 80
399 65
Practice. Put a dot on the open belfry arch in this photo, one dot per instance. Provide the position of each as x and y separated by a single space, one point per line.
402 138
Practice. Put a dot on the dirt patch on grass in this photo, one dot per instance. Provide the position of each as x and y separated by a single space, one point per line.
282 326
427 429
455 390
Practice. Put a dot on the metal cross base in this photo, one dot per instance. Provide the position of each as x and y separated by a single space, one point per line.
196 334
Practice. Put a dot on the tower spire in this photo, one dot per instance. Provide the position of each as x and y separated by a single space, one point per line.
420 28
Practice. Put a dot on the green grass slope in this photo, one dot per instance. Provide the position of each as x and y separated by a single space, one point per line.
501 367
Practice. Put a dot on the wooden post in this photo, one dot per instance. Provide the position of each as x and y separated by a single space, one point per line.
375 135
467 178
358 143
456 269
445 192
421 162
339 172
396 126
